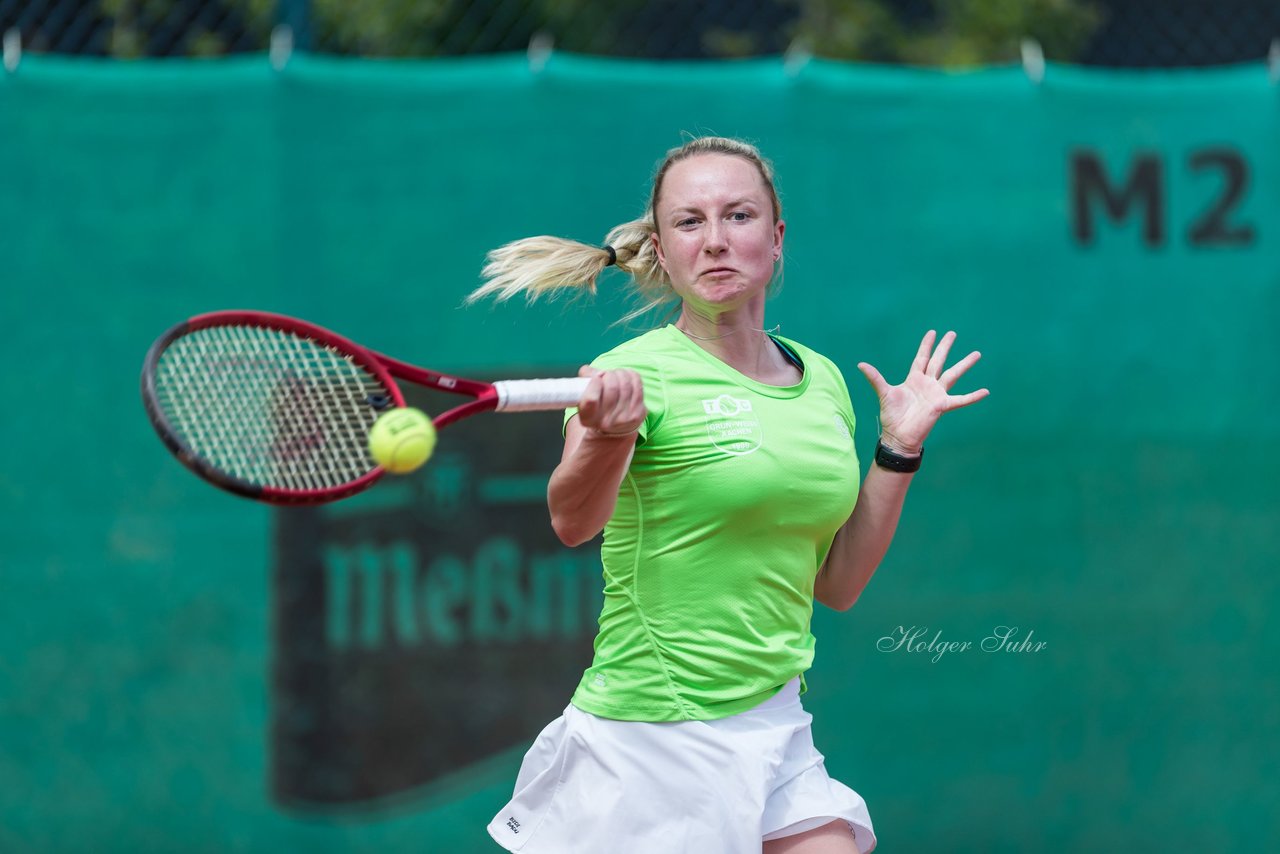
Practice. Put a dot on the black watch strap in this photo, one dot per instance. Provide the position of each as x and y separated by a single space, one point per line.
887 459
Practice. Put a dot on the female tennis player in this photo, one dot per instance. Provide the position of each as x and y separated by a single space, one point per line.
718 459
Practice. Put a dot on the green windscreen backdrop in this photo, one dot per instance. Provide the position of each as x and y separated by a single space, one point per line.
1069 646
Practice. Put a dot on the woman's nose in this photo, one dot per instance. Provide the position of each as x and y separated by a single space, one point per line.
714 240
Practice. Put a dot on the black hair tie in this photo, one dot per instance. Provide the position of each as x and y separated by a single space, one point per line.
613 256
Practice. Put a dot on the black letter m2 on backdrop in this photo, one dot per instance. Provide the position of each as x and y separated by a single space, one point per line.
1212 228
1145 184
1145 187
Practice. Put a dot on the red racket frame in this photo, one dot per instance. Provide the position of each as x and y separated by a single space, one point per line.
384 368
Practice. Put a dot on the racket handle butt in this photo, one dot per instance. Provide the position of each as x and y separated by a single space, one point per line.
537 395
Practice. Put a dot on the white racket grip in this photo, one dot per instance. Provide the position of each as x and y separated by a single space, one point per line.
535 395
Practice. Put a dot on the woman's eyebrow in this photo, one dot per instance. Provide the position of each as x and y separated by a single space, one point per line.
735 203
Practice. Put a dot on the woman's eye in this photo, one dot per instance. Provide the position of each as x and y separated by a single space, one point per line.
740 216
684 223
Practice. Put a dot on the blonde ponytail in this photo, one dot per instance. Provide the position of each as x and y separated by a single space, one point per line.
535 266
538 265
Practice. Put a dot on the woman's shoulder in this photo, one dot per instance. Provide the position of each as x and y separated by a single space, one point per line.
645 346
811 357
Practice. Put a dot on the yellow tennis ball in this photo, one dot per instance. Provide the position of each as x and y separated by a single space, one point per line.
402 440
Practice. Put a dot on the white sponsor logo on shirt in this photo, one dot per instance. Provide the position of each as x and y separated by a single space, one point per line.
732 424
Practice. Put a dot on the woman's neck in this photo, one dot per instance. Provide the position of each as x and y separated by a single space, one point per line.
740 340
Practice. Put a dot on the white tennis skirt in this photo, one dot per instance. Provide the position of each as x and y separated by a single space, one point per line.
592 785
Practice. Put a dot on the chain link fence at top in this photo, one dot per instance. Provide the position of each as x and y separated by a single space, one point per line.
1169 33
137 28
1133 33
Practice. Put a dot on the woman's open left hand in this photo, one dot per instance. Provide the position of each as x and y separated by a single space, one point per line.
909 410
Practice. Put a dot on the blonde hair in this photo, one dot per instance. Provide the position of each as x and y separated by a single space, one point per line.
535 266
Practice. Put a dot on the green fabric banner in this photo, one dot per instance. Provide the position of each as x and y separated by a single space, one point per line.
1066 649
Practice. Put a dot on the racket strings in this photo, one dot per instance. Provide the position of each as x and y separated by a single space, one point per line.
268 407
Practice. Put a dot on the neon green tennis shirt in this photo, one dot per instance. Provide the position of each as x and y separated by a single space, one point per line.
734 495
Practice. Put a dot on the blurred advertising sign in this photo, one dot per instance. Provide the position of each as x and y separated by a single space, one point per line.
428 625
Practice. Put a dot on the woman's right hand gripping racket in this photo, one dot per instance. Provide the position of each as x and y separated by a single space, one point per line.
279 410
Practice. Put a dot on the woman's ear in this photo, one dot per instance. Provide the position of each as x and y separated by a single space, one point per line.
657 247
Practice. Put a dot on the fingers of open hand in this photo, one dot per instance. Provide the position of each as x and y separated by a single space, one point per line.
950 375
948 378
925 394
957 401
922 354
939 358
875 378
932 363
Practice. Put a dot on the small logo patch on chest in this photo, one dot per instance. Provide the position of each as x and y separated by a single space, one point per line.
732 424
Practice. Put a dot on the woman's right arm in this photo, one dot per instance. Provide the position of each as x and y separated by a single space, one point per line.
598 444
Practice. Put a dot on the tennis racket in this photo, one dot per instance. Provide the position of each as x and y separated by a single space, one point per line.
279 410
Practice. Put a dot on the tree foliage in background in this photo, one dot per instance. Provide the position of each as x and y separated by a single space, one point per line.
924 32
951 33
137 28
380 27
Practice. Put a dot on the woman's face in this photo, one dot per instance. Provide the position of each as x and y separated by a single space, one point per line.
717 238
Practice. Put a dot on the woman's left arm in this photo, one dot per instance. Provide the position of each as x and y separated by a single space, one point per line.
907 413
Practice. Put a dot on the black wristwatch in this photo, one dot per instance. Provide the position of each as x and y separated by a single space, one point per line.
887 459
